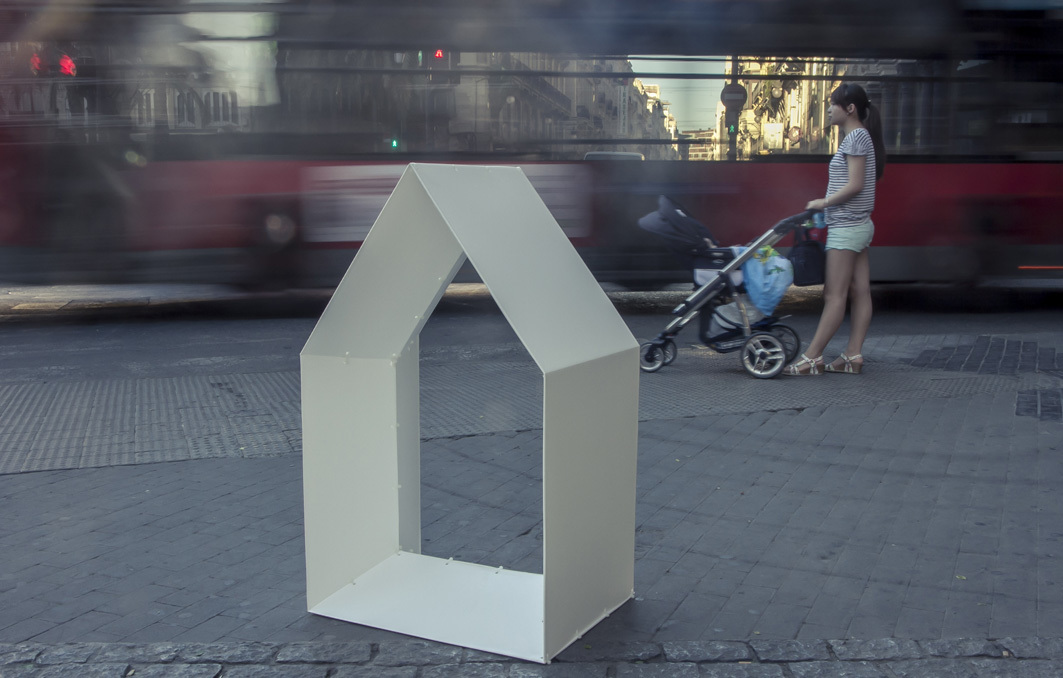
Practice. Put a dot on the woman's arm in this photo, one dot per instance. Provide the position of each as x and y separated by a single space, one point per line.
855 165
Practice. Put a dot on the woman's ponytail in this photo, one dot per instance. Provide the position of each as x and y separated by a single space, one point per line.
873 123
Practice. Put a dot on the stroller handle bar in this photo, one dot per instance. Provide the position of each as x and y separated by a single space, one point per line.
791 223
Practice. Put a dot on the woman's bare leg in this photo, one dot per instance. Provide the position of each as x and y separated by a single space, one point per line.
859 304
839 277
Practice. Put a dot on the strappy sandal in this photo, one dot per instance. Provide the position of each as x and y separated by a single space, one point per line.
847 366
805 367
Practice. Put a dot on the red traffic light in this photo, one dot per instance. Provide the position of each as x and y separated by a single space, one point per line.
67 66
439 54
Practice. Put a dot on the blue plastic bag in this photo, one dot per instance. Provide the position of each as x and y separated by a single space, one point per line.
767 276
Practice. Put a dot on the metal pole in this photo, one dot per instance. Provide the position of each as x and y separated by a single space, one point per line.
732 141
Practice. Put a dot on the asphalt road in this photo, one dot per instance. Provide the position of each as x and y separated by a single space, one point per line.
89 332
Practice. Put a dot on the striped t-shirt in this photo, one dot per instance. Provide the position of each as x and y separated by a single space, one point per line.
857 209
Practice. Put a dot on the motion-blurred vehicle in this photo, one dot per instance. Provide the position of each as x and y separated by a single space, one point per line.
195 146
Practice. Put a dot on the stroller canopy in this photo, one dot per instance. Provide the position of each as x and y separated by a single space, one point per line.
671 222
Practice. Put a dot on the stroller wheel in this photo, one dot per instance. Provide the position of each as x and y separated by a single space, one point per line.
764 355
651 357
670 352
790 341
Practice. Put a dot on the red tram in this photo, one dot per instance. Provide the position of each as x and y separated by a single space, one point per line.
165 162
299 223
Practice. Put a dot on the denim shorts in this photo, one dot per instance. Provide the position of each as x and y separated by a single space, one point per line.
855 238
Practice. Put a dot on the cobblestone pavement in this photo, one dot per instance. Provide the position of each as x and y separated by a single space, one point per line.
411 658
782 525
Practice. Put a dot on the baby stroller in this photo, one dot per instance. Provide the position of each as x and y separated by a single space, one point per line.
728 322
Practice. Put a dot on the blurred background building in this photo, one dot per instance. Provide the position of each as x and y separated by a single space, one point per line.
190 74
187 75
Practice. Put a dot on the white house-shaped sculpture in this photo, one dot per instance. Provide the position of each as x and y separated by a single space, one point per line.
361 420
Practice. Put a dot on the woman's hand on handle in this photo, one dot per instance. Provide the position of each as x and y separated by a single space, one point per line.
818 205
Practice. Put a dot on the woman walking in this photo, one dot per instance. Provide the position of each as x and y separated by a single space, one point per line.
853 171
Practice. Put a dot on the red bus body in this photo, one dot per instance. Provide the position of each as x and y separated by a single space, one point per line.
202 220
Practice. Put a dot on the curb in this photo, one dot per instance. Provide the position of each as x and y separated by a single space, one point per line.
886 658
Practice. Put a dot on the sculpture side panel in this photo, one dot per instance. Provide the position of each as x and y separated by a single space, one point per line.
590 441
350 470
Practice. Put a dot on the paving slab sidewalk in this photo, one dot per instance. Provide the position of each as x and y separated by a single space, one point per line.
780 530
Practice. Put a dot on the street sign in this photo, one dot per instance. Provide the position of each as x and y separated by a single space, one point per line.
733 95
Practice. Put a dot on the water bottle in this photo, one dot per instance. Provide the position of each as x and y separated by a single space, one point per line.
818 221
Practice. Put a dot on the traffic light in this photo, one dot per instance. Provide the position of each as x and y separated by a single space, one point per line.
444 60
394 143
67 66
731 121
432 58
63 66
